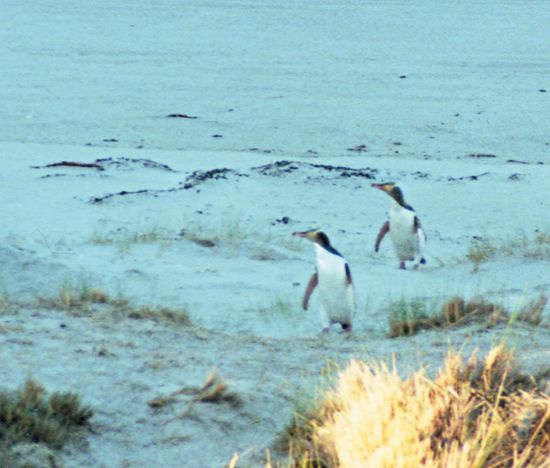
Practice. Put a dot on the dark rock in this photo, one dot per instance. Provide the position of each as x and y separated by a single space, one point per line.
181 116
358 148
482 155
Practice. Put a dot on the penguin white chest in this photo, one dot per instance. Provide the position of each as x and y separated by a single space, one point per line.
335 290
402 232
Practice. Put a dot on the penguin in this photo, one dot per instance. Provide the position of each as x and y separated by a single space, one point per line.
333 276
404 227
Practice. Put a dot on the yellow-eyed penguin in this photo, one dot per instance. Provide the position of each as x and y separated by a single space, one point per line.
333 276
404 227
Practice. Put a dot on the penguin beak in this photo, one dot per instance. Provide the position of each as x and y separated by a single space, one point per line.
383 187
306 234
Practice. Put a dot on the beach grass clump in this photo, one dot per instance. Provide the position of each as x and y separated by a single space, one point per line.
532 312
473 413
81 299
30 415
77 296
410 317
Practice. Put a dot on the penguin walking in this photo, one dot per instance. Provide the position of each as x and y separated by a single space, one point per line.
333 276
404 227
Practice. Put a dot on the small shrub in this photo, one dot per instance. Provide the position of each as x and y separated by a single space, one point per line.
28 415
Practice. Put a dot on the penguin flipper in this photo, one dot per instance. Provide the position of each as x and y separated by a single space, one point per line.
348 275
383 231
309 289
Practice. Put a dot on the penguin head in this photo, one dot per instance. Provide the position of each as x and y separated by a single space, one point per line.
314 235
392 190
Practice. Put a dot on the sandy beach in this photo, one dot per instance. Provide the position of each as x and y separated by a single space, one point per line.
164 153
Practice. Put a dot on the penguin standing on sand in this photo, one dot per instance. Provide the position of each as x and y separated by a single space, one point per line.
404 227
333 277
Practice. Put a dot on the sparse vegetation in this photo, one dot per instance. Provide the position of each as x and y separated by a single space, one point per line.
214 390
229 234
408 318
297 438
123 239
278 309
232 234
5 301
163 314
308 413
29 415
80 299
536 246
532 311
480 251
470 414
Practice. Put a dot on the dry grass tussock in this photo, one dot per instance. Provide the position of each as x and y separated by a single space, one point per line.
83 300
472 414
29 415
408 318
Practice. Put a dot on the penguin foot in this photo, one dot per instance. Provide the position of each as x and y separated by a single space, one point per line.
325 330
346 327
402 265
